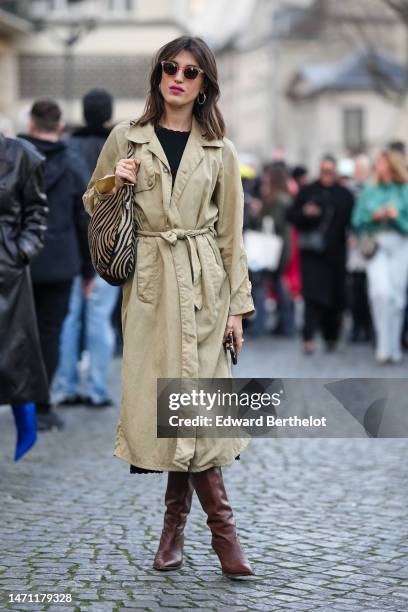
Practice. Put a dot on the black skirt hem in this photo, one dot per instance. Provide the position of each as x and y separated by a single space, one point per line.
134 469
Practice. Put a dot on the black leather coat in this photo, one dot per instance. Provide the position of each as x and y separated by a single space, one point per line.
23 213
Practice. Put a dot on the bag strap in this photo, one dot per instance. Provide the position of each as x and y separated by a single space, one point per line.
131 149
127 193
130 153
131 144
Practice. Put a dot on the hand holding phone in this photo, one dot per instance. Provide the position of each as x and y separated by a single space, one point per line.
229 346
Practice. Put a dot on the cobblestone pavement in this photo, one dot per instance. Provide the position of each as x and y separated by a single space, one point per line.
324 521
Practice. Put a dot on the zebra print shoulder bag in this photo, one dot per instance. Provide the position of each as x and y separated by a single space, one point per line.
112 234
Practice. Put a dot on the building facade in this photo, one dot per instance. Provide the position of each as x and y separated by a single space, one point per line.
274 43
75 45
269 54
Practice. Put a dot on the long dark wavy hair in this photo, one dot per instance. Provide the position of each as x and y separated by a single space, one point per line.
208 114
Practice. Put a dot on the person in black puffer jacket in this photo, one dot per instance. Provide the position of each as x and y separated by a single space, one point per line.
88 316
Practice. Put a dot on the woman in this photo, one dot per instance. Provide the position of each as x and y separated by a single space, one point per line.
381 213
189 290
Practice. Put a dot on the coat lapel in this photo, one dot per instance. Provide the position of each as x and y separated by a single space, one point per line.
146 134
157 150
192 155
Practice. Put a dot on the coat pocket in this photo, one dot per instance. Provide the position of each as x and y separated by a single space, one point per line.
147 269
215 265
217 256
146 176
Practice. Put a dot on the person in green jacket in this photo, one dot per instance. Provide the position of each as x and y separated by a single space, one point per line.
381 212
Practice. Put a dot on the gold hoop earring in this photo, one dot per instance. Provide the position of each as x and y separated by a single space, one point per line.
203 99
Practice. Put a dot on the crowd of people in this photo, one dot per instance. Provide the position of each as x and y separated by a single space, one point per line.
344 241
343 246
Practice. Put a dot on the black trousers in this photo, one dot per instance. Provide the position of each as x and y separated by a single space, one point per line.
51 305
323 318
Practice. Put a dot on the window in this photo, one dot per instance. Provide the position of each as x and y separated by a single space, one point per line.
353 129
62 8
125 75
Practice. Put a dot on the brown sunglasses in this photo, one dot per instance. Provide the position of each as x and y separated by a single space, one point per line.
190 72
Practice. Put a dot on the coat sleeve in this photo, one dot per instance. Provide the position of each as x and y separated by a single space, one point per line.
229 198
34 205
401 222
103 179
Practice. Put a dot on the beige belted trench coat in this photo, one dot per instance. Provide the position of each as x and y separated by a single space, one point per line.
191 273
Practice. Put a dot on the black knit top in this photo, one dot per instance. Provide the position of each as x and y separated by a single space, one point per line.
173 143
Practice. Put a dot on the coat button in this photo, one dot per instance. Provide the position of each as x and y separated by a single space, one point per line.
165 169
150 182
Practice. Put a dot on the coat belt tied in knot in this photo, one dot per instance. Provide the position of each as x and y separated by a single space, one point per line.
178 234
172 236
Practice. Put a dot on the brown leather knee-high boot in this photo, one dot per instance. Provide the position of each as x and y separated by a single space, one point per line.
178 500
209 486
